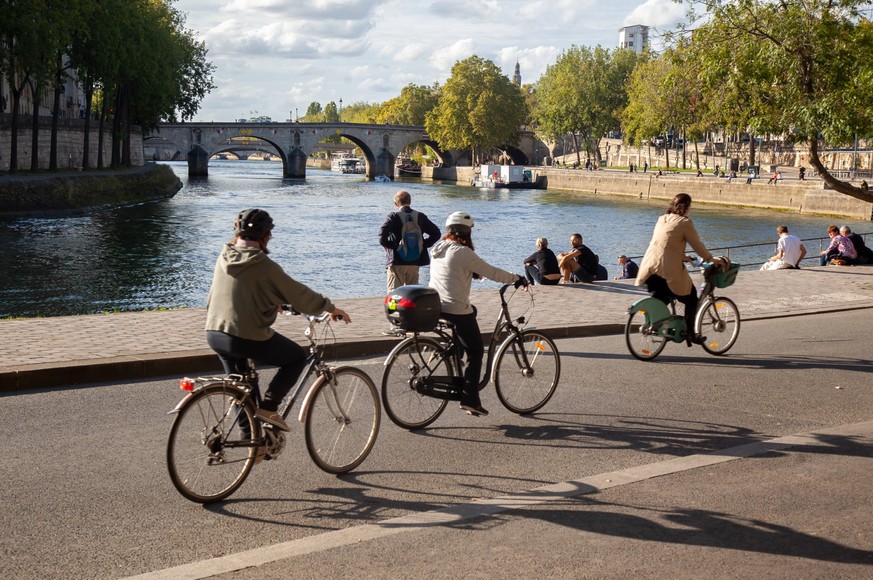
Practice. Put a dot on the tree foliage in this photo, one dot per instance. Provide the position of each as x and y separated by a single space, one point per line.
411 106
583 94
800 67
479 108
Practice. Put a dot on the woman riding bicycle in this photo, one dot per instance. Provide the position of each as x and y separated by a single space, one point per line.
663 267
454 264
248 290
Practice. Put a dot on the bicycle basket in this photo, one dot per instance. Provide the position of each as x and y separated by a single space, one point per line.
726 278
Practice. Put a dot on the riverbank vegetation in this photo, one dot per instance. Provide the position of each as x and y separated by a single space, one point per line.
135 61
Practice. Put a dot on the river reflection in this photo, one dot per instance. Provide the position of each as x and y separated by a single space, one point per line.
161 255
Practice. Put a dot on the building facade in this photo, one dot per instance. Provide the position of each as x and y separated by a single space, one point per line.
635 37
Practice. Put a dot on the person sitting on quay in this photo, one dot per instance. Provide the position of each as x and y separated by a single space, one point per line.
579 264
541 267
865 254
841 252
773 178
789 251
629 268
750 177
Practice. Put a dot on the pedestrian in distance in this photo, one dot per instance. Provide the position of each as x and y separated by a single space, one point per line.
789 251
406 235
248 290
541 267
629 268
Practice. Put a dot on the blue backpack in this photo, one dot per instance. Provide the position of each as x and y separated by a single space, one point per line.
411 241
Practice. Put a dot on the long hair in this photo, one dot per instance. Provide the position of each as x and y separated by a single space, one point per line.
460 237
680 204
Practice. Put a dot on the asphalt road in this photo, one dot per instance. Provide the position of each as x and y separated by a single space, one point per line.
86 493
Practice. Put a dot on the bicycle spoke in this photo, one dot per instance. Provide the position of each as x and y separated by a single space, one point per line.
527 380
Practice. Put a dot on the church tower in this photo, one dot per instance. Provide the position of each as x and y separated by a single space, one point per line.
516 76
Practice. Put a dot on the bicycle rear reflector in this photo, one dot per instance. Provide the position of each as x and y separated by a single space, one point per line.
186 384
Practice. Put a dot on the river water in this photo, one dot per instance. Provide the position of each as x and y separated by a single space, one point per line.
161 255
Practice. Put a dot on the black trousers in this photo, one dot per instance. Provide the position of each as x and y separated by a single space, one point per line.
535 276
283 352
470 338
660 290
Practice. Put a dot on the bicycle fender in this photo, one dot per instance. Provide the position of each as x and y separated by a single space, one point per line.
653 309
307 400
395 350
181 403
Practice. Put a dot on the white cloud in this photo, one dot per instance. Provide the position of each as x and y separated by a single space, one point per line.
656 13
444 58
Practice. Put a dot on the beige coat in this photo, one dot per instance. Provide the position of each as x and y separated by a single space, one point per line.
666 253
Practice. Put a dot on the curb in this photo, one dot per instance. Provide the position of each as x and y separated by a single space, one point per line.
204 360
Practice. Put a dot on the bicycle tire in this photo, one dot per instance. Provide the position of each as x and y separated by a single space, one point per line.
405 406
202 466
342 421
643 343
525 384
719 322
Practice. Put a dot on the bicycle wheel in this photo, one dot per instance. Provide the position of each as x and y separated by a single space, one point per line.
642 342
416 357
526 371
212 443
719 322
342 420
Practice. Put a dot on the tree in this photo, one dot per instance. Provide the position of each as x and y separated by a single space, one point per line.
479 108
583 94
313 111
411 107
805 68
331 114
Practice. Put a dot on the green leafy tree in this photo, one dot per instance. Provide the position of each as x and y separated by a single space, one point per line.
479 108
330 113
583 94
804 68
411 106
313 113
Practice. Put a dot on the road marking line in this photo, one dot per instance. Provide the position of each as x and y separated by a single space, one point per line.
461 512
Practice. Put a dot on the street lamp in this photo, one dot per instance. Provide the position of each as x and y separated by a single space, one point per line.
296 116
341 110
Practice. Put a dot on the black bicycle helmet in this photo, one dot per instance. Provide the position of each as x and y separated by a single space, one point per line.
253 224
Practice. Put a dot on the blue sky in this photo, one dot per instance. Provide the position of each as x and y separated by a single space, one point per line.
273 56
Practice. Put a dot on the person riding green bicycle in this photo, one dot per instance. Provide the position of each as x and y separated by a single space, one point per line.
248 290
663 270
454 264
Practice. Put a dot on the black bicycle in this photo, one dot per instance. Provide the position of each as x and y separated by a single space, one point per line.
216 438
423 373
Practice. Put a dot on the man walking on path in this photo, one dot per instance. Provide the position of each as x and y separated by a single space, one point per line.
406 236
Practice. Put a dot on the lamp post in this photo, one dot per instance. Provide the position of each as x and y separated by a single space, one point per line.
296 116
341 110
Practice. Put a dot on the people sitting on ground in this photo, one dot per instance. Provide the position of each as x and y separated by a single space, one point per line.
802 174
865 254
732 175
789 251
841 252
700 173
541 267
773 177
579 264
750 177
629 268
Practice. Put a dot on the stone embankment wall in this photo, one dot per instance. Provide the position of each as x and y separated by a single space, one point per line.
71 139
803 197
80 192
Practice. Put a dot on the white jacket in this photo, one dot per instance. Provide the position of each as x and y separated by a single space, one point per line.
451 274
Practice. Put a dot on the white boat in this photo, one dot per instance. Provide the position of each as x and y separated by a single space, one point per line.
506 176
348 165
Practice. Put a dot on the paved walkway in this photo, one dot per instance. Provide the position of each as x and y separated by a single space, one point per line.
48 352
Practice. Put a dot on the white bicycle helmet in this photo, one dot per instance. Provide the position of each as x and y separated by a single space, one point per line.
459 218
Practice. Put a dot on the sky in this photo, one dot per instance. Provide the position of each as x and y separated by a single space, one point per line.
275 57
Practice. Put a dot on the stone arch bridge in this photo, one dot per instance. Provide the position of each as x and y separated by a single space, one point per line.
295 141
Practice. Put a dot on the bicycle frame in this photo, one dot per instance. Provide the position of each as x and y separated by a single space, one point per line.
663 318
452 350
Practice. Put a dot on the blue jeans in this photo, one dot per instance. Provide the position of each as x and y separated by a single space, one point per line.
279 351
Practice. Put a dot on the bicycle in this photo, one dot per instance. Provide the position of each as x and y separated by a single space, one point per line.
423 373
216 438
651 323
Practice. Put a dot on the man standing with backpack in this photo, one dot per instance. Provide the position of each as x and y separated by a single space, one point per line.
406 236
